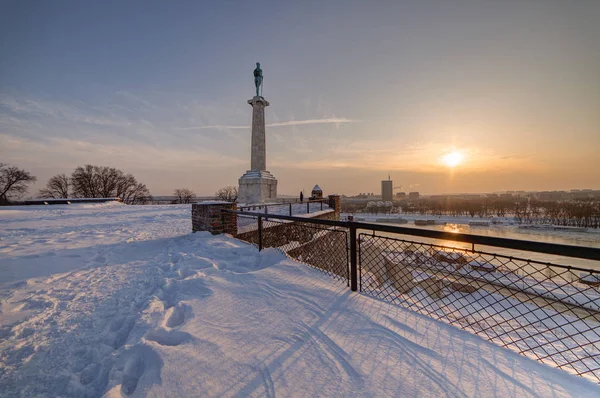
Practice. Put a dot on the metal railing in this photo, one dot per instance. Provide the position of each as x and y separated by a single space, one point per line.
544 310
289 206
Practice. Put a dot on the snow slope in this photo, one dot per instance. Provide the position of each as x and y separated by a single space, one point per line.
122 300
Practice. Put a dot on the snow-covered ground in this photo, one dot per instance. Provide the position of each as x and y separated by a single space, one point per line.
123 300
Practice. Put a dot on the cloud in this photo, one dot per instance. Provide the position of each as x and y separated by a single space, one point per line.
336 121
61 112
64 152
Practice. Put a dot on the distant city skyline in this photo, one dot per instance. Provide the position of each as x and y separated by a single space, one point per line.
446 96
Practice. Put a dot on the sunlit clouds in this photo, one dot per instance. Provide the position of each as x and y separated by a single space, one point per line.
148 134
460 97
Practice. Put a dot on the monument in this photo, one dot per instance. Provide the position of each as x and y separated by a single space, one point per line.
258 185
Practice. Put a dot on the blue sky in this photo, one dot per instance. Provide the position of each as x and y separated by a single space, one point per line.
357 90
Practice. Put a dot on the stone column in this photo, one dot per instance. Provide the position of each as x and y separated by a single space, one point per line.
258 155
257 185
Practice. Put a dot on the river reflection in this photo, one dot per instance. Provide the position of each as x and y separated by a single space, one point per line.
586 239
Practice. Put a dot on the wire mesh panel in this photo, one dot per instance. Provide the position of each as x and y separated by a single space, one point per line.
546 311
320 246
247 228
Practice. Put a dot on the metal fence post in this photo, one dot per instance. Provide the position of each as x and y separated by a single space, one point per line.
321 205
353 259
290 209
260 234
308 206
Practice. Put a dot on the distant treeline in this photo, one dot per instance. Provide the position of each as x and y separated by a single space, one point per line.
578 213
96 182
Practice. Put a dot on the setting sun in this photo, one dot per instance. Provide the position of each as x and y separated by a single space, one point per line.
452 159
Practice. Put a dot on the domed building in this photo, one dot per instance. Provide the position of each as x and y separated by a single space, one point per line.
317 193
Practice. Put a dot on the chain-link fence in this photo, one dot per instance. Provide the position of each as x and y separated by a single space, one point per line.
546 311
319 246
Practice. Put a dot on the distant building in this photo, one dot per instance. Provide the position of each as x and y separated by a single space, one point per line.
400 195
317 193
387 194
413 195
551 195
438 197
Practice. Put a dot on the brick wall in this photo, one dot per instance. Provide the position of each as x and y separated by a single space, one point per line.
208 217
335 204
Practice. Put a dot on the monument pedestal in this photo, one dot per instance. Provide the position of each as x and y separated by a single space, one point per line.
257 185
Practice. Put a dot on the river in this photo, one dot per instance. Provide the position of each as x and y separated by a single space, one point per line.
585 239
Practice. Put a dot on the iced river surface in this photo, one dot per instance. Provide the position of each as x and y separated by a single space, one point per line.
585 239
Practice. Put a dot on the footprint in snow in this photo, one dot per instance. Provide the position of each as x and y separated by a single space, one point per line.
89 373
141 361
175 316
83 357
168 337
121 328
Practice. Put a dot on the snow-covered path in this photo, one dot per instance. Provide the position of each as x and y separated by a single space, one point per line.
123 300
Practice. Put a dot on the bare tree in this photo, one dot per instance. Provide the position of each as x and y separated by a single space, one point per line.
184 195
57 187
107 179
107 182
83 181
13 182
228 194
130 191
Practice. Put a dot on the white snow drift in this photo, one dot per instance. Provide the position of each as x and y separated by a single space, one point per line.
122 300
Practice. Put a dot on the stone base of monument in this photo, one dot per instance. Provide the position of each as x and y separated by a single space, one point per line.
257 187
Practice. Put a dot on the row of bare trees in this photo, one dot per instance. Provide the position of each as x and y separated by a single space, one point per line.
577 213
97 182
185 195
456 207
91 181
580 213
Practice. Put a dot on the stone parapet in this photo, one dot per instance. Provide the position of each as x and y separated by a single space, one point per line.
207 216
335 204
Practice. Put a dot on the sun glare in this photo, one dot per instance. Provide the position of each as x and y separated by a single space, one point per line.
452 159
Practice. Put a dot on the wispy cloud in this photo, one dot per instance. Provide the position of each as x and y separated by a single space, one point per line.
62 112
336 121
65 152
